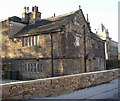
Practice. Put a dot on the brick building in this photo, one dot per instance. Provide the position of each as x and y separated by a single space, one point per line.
60 45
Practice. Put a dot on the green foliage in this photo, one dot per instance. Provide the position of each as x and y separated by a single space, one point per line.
112 64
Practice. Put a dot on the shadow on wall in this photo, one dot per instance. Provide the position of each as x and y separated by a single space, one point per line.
112 64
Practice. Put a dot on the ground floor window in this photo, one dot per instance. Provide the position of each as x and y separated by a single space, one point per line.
33 67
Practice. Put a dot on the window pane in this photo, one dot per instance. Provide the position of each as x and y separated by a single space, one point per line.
25 40
28 41
34 42
35 69
37 40
77 41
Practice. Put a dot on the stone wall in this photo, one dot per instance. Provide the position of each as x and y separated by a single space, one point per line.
56 85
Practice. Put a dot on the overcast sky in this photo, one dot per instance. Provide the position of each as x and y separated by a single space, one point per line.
99 11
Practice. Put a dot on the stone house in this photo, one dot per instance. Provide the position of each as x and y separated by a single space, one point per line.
59 45
111 46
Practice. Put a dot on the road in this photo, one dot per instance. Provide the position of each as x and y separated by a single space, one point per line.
109 90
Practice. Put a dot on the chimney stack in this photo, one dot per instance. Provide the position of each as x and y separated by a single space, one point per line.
24 10
88 21
25 15
32 9
37 8
27 9
34 15
79 7
87 18
54 14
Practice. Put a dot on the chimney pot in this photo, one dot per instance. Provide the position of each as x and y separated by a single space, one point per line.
32 8
37 8
54 14
79 7
87 18
27 9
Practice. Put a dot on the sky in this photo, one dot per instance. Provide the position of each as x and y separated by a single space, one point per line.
99 11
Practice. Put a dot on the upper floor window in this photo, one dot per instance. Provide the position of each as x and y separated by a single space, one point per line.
30 41
77 41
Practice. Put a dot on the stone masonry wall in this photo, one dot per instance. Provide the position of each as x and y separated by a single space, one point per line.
56 85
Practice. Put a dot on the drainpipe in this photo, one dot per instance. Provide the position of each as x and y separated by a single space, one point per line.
84 48
52 54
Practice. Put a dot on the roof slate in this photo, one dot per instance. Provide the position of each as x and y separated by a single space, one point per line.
16 19
45 25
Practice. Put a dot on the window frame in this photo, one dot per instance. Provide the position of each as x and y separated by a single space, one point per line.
77 41
30 41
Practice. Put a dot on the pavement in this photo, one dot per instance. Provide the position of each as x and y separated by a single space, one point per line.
109 90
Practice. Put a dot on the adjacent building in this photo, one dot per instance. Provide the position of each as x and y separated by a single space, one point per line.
111 46
60 45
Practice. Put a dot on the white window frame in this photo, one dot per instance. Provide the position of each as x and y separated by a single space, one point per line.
31 41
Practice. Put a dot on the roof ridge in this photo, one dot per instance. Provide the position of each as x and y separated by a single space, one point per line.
55 23
62 15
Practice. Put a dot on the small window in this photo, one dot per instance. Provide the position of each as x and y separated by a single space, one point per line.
90 43
77 41
32 67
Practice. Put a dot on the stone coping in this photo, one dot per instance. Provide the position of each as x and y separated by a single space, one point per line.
60 77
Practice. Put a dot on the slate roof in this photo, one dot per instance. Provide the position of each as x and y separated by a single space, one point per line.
46 25
49 25
16 19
